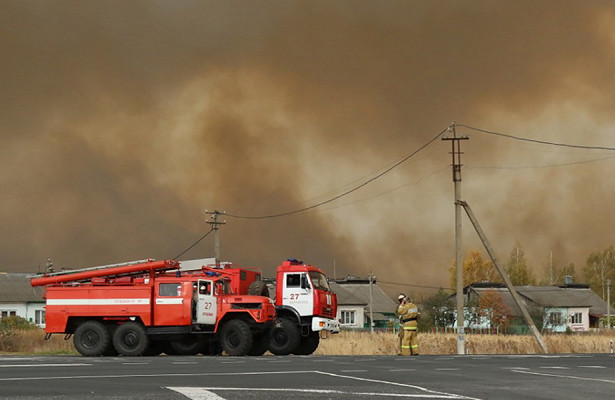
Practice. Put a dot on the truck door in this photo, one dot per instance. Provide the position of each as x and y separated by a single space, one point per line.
298 292
206 304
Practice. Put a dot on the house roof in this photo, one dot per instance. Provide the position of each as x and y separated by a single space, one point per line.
357 293
16 288
551 296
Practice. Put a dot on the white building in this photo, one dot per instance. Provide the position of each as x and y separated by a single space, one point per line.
19 298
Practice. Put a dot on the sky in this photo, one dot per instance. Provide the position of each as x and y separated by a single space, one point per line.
123 122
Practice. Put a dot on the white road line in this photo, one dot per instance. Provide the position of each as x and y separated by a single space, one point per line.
196 393
554 367
592 366
513 368
44 365
135 363
353 370
565 376
447 369
425 390
402 370
206 394
185 362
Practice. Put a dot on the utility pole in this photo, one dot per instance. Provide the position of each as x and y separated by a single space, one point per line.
456 155
608 303
213 221
371 301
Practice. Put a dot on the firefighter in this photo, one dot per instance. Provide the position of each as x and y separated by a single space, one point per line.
408 314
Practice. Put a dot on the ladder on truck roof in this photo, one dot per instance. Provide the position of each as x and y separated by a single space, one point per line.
108 271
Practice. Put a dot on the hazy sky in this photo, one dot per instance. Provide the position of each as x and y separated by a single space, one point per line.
122 122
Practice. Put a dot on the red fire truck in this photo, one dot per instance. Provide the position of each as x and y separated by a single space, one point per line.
305 304
147 307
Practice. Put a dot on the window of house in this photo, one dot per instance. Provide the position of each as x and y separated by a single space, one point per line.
293 280
348 317
577 318
170 289
8 313
39 317
555 318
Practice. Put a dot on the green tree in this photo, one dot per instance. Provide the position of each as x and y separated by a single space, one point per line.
599 267
437 311
517 268
475 269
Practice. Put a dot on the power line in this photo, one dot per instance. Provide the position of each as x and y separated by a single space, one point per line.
576 146
540 166
418 286
386 171
194 244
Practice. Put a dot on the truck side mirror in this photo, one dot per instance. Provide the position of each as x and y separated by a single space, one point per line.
305 284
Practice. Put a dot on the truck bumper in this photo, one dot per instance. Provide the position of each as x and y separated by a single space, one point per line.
324 324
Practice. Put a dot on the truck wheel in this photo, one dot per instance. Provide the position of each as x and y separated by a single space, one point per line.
260 343
130 339
154 348
284 337
258 288
187 345
236 338
308 344
92 339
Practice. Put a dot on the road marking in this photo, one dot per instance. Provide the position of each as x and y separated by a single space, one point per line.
353 370
554 367
206 394
196 393
565 376
592 366
184 363
44 365
135 363
513 368
447 369
426 392
233 362
406 385
402 370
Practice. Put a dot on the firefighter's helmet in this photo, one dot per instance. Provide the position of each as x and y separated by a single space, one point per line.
401 297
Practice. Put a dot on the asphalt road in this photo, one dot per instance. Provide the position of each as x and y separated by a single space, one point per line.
312 377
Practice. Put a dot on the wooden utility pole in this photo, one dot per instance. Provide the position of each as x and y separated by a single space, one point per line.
214 225
456 155
504 275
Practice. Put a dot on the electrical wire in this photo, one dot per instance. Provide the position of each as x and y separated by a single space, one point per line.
347 192
575 146
418 286
540 166
194 244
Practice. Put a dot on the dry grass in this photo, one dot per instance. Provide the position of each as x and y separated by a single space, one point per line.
363 343
32 341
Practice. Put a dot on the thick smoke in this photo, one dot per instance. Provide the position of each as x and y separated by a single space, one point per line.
121 123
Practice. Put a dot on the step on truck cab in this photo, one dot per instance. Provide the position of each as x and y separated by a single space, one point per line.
148 307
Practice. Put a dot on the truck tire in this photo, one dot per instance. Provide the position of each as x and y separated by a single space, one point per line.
258 288
236 338
260 344
187 345
308 344
130 339
92 339
284 337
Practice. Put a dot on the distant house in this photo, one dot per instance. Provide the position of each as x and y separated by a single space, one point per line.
18 298
573 307
353 308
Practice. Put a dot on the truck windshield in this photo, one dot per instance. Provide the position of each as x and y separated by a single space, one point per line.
319 280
